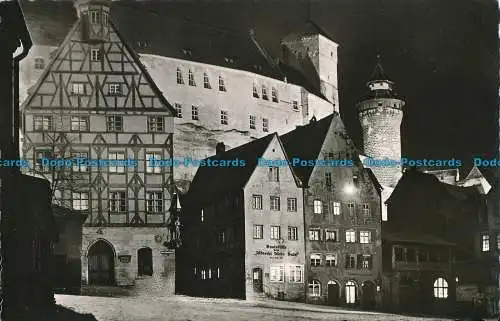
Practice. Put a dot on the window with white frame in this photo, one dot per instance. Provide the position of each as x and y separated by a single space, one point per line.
39 63
315 259
115 158
331 236
350 292
314 234
274 95
191 78
79 123
314 288
80 201
194 113
255 91
94 16
79 161
42 123
95 54
440 288
336 208
154 202
265 125
366 209
257 202
365 237
224 117
264 92
156 124
275 232
78 88
206 81
222 84
117 201
296 273
293 233
350 208
277 273
115 89
114 123
485 241
178 110
291 204
350 236
273 174
331 260
152 162
258 231
203 274
366 261
318 206
180 79
274 202
252 121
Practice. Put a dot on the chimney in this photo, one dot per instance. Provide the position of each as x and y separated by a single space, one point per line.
220 148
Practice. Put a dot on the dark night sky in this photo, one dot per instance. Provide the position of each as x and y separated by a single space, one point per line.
442 54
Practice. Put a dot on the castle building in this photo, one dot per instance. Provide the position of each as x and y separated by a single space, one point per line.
97 111
342 216
224 85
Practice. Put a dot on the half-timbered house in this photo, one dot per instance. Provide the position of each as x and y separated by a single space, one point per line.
97 108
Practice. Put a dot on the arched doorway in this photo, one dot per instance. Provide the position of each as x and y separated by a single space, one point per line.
368 298
257 280
333 293
350 292
101 264
145 261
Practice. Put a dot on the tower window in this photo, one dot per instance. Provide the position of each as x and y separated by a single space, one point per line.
95 54
95 17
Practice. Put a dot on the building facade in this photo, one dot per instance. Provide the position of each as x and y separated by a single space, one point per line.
342 216
97 111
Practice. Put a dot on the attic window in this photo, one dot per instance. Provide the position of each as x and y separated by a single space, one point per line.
39 63
186 52
142 44
257 67
95 17
229 60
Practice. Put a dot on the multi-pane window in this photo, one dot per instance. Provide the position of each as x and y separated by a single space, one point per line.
277 273
152 164
273 174
366 262
331 236
79 165
255 92
318 207
156 124
39 63
94 16
331 260
314 234
440 288
223 117
154 202
202 215
350 261
206 81
264 92
336 208
114 123
265 125
115 159
80 200
39 154
314 288
43 123
222 84
485 242
78 88
498 240
194 113
274 94
257 202
275 232
95 54
291 204
350 236
252 121
221 237
296 274
328 181
191 78
350 208
295 105
274 203
114 89
178 110
258 231
366 209
350 292
180 79
117 202
365 237
79 123
293 233
315 259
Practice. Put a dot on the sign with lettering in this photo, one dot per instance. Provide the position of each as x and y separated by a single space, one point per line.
276 251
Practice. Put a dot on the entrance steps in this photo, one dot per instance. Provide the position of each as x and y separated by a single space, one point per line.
105 291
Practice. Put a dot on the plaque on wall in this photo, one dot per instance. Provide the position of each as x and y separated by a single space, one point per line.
124 258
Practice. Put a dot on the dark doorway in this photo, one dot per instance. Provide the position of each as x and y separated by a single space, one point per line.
145 261
333 293
101 264
257 280
368 298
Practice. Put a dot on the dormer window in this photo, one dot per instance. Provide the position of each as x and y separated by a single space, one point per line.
206 81
39 63
191 78
274 95
257 67
255 92
95 16
222 84
180 79
264 93
186 52
229 60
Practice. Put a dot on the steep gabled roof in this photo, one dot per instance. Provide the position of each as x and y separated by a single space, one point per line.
309 29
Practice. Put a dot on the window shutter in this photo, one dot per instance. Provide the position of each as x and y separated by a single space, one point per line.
370 262
324 235
359 261
346 264
321 236
325 208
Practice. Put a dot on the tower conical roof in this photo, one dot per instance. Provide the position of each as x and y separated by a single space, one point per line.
379 73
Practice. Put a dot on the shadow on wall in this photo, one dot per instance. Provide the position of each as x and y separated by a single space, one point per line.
64 314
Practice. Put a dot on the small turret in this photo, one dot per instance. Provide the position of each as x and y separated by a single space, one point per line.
95 22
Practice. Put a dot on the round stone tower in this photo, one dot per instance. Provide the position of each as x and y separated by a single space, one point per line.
380 114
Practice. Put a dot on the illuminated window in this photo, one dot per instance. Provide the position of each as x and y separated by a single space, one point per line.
277 273
350 236
314 288
80 200
336 208
318 207
440 288
485 238
350 292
